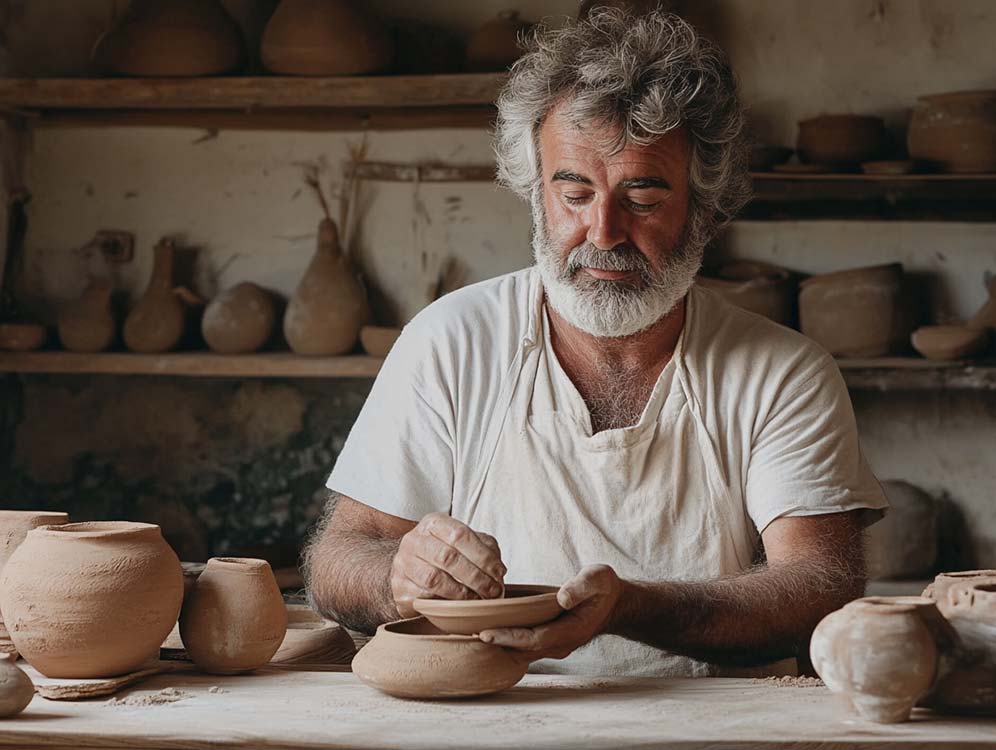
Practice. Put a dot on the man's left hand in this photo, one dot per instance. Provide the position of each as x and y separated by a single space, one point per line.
590 600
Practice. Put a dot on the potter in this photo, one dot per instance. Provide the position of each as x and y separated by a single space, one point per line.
597 422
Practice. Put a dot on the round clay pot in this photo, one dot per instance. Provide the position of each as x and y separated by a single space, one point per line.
89 600
904 543
325 38
239 320
762 288
520 607
842 141
955 132
22 337
16 688
156 324
378 340
329 307
497 44
859 313
879 653
414 659
172 38
234 619
938 589
947 343
88 325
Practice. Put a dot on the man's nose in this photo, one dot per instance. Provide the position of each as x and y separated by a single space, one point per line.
606 225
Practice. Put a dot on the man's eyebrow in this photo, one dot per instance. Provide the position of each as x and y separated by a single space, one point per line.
638 183
565 176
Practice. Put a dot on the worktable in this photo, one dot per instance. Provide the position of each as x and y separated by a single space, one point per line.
274 709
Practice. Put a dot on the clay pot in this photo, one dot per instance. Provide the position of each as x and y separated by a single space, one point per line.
950 342
172 38
329 307
955 132
377 340
904 543
156 324
521 607
497 44
765 158
879 653
22 337
938 589
234 619
414 659
313 640
16 688
859 313
90 600
239 320
325 38
88 325
841 141
762 288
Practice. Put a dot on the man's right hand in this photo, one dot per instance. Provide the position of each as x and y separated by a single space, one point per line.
442 558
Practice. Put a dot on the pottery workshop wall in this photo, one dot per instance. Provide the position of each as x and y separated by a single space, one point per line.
238 465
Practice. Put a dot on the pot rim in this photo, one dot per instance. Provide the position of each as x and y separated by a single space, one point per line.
472 607
97 530
388 629
963 574
246 565
886 605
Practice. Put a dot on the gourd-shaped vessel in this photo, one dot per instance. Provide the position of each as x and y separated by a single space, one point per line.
157 322
496 45
88 325
329 307
239 320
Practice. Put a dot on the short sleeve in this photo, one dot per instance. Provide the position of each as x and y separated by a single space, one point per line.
806 459
399 456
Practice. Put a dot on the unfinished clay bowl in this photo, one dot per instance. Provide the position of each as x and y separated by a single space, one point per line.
414 659
91 600
761 288
955 132
522 607
311 639
378 340
240 320
497 44
22 337
840 140
938 589
16 688
947 343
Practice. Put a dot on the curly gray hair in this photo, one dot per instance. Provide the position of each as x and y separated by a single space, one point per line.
643 76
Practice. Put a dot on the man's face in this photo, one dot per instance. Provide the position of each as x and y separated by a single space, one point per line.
610 230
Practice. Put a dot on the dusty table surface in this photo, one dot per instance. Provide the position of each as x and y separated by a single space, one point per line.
335 710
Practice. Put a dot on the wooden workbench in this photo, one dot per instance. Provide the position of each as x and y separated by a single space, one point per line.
335 710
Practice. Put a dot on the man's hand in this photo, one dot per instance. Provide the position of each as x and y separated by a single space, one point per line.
442 558
590 600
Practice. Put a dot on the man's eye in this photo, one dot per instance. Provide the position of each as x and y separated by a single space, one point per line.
575 200
641 207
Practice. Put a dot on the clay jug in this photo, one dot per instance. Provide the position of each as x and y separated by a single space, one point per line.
234 618
91 600
239 320
16 688
88 325
329 307
325 38
157 322
172 38
497 44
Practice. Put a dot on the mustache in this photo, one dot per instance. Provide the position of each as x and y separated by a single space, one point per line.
620 258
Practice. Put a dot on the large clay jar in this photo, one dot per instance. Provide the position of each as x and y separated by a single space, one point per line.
329 307
414 659
91 600
761 288
864 312
239 320
955 132
880 654
325 38
904 543
841 141
497 44
234 618
156 324
88 325
172 38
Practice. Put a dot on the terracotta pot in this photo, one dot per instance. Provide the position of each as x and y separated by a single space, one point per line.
946 343
325 38
859 313
172 38
761 288
955 132
879 653
239 320
497 44
842 141
156 324
88 325
377 340
89 600
329 307
904 543
414 659
938 589
16 688
22 337
234 619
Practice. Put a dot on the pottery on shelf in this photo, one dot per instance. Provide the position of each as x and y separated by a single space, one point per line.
88 324
843 141
521 607
234 619
172 38
950 342
497 44
91 600
157 322
903 545
329 307
761 288
16 688
240 320
765 158
311 639
955 132
414 659
893 167
378 340
22 337
325 38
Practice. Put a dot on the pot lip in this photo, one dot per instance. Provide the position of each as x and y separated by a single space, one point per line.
24 514
955 95
964 574
246 565
473 607
893 604
849 273
389 629
97 530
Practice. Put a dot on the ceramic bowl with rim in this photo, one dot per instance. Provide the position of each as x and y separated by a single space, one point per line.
523 606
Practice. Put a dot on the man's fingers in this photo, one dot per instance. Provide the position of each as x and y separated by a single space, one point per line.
467 542
491 542
432 583
449 559
557 635
589 583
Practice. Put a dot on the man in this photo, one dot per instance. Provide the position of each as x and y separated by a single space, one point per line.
597 421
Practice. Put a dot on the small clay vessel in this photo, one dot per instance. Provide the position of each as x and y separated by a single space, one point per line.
329 307
239 320
903 545
950 342
414 659
842 141
22 337
16 688
378 340
497 44
955 132
521 607
762 288
234 619
88 325
156 324
172 38
91 600
325 38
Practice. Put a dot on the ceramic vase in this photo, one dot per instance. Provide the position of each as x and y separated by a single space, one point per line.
234 618
955 132
16 688
240 320
329 307
156 324
88 324
497 44
91 600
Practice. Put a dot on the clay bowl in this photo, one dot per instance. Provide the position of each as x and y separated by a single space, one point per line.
522 607
415 659
950 342
765 158
311 639
955 132
840 140
22 337
378 340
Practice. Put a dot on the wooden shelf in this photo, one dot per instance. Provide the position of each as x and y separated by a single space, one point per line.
915 374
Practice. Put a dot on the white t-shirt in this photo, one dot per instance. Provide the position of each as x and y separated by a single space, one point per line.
472 415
